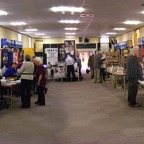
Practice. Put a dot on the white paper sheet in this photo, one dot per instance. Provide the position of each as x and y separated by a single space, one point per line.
141 82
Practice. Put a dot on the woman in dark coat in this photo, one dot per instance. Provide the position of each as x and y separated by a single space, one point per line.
40 81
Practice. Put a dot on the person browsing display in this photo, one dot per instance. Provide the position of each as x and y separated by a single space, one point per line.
26 71
79 65
69 61
11 71
40 81
133 74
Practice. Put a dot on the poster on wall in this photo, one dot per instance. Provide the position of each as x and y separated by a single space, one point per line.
61 53
105 47
70 47
38 46
4 57
29 51
15 57
52 55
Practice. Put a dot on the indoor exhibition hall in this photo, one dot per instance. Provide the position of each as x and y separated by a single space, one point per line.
72 72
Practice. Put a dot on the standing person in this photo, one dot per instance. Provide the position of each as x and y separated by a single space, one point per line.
34 78
97 67
78 61
103 68
69 61
40 81
26 72
49 65
133 74
90 64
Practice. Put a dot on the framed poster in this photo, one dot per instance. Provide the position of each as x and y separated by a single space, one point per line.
69 47
61 53
39 47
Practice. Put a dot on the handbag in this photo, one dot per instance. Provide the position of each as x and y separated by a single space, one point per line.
87 71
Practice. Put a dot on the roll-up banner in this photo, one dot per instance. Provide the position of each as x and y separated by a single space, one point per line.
10 58
70 47
52 55
4 58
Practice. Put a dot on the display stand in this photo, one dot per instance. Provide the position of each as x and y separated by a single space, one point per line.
112 59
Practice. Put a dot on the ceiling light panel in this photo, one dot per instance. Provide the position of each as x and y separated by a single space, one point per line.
69 36
120 29
70 28
67 9
46 37
17 23
111 33
70 33
40 34
70 21
3 12
31 30
132 22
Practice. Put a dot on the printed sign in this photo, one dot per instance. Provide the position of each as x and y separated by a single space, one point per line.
52 55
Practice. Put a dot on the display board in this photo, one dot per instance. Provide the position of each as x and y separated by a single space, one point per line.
4 57
121 45
86 46
61 53
52 55
11 43
69 47
29 51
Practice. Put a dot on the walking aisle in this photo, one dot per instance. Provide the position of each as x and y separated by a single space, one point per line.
91 113
76 113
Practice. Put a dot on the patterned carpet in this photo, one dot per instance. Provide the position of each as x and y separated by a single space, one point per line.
75 113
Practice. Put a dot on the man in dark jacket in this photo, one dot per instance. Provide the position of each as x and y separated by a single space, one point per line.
133 74
97 66
90 64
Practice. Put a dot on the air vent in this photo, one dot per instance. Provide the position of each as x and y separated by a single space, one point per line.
86 15
38 40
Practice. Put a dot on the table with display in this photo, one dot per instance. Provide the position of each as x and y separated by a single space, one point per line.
12 85
60 73
114 78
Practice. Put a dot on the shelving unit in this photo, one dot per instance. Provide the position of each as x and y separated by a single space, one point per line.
124 57
112 59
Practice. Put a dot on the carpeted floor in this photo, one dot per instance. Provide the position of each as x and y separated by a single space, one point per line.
75 113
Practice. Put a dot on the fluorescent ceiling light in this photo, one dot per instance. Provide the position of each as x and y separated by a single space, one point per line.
111 33
3 12
70 28
142 12
69 36
70 21
17 23
31 30
46 37
40 34
70 33
103 36
67 9
120 29
132 22
24 32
